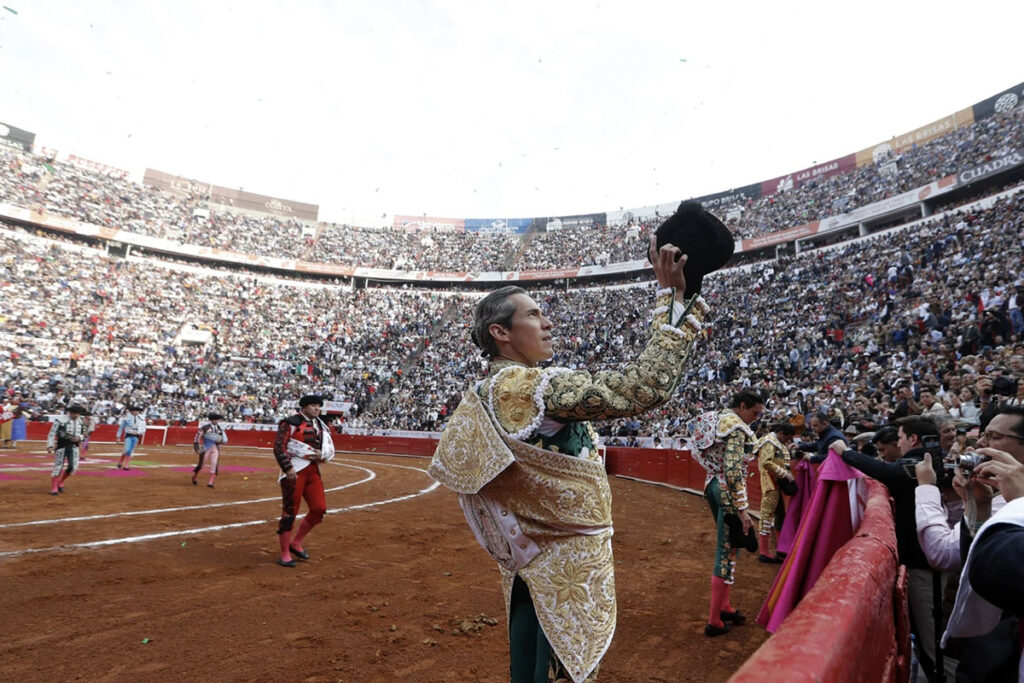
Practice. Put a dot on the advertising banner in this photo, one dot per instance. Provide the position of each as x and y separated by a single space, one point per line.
556 223
998 104
330 407
800 178
548 274
874 210
249 201
991 168
779 237
175 183
718 202
97 167
232 198
324 268
620 267
507 226
438 275
625 216
924 134
16 137
918 136
429 224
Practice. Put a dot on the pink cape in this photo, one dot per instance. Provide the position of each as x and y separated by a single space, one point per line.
806 478
829 521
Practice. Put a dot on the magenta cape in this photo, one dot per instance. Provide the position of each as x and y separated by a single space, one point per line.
806 478
831 516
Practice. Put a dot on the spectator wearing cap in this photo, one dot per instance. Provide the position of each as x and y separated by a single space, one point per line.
303 441
130 430
209 437
66 435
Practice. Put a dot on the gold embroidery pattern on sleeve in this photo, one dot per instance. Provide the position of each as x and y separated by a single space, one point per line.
513 396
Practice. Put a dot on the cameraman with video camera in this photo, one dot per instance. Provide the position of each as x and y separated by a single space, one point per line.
916 436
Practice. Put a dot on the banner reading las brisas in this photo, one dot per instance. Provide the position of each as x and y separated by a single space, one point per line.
918 136
804 176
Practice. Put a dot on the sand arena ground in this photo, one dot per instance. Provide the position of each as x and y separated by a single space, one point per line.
139 576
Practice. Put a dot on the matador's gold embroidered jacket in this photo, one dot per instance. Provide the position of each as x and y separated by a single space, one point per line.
561 503
772 460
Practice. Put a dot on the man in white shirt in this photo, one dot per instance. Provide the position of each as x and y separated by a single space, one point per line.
945 546
931 405
1013 309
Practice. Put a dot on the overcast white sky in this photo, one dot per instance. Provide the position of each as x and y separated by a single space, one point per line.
485 109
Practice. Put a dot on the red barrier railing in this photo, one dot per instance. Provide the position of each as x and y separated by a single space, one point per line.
852 626
182 436
672 467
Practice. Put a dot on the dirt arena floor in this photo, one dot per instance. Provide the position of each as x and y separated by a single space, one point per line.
139 576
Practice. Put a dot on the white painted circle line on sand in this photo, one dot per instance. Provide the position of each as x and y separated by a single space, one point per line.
221 527
134 513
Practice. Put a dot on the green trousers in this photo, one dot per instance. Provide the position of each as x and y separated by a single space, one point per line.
530 652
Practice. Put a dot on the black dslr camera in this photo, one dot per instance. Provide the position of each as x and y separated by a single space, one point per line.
930 444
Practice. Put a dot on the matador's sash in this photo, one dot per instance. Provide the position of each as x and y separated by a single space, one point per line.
563 504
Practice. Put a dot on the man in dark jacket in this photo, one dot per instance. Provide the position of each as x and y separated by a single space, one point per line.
913 432
827 434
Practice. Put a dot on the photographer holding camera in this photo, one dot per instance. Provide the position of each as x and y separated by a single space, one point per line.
996 393
916 436
989 653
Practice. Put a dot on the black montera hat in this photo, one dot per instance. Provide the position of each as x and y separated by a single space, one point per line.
76 408
214 416
705 240
310 399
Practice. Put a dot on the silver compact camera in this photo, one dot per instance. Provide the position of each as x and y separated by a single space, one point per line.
969 461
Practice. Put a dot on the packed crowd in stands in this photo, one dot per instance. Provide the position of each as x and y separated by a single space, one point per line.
933 307
182 340
406 250
33 181
961 149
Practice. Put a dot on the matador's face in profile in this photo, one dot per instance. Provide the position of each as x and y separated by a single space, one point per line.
529 340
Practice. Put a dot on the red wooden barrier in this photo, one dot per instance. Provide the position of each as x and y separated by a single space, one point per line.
845 629
672 467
